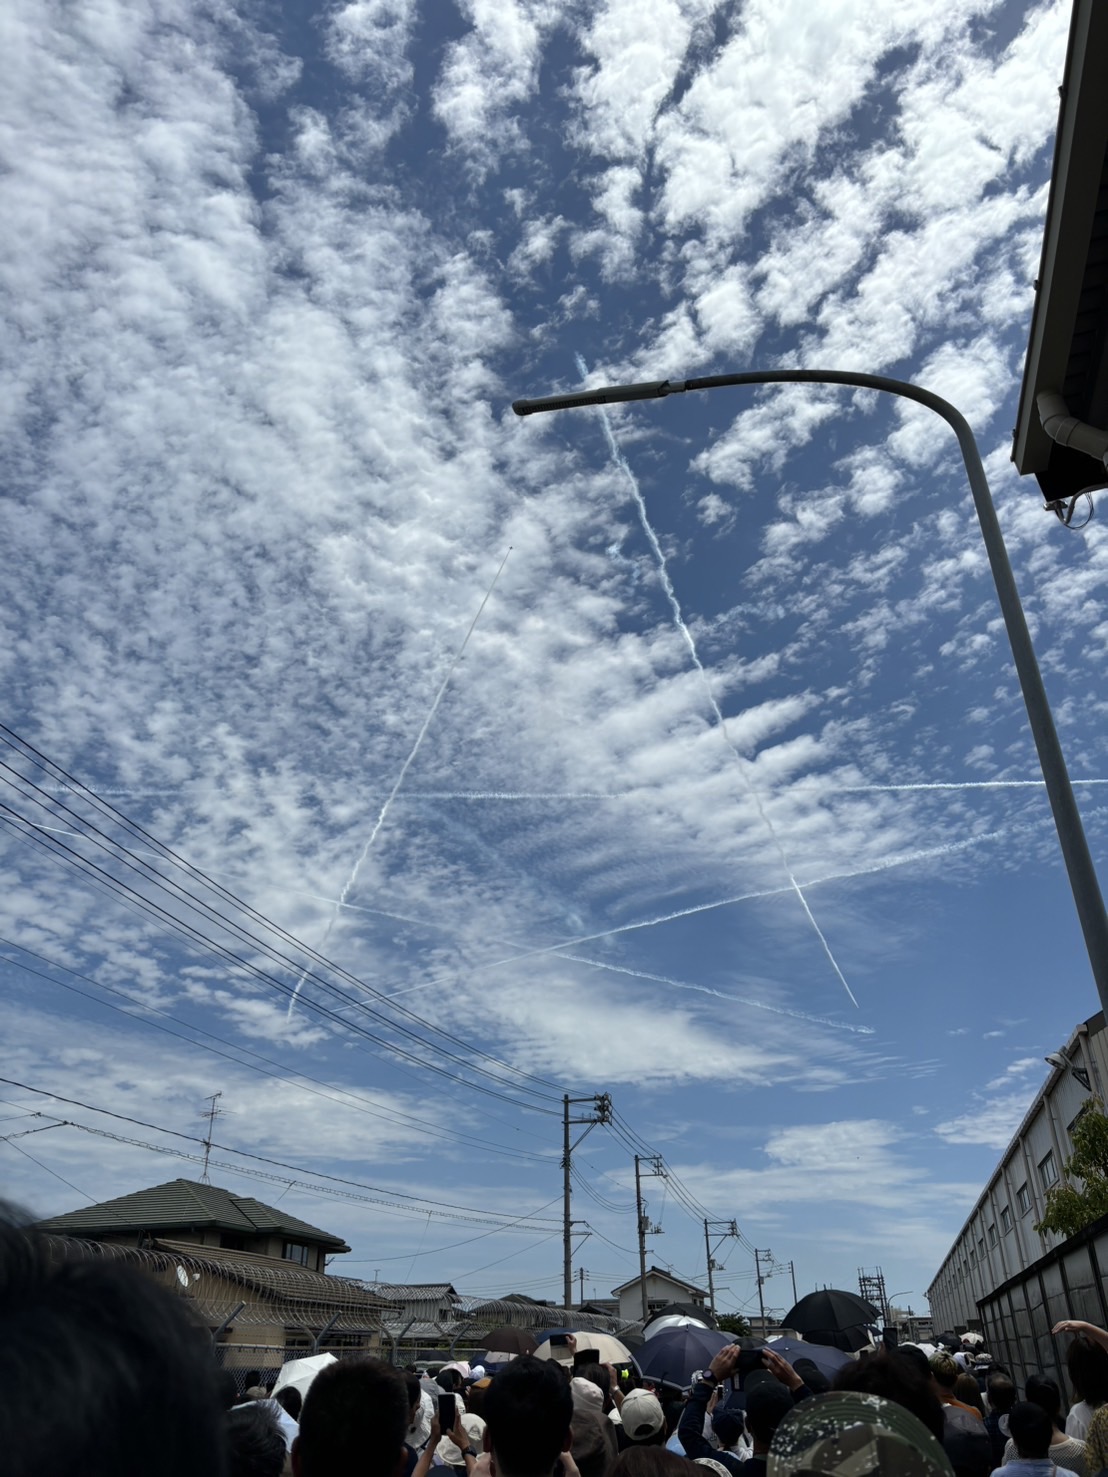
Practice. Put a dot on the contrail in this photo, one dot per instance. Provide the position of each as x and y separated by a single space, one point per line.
962 785
667 585
352 879
663 979
902 859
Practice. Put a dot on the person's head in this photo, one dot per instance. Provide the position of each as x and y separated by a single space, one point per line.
727 1426
290 1400
594 1442
528 1410
1030 1428
415 1395
255 1445
945 1370
965 1390
812 1376
895 1378
251 1377
766 1407
227 1390
101 1369
1043 1391
644 1460
1087 1363
644 1420
353 1421
450 1380
1001 1393
600 1377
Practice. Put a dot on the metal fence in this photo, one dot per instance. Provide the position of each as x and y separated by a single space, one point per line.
1068 1282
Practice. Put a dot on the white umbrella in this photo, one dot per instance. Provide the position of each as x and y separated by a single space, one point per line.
298 1374
671 1320
608 1350
973 1338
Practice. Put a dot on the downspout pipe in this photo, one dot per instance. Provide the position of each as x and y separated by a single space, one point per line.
1067 430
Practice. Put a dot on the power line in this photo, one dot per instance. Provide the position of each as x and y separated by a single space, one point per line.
163 852
417 1200
292 1076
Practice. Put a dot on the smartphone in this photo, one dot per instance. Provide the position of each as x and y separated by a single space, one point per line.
749 1360
559 1340
446 1413
583 1357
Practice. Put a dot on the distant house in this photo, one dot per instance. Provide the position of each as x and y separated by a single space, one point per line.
255 1275
662 1288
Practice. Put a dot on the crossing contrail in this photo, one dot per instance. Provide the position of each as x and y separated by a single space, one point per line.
675 606
380 821
901 860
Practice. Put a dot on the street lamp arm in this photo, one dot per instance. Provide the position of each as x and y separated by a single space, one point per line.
1067 820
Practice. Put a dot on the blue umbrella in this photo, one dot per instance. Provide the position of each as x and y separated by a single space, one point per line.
826 1359
673 1357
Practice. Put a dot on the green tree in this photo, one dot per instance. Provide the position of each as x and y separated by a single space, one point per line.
733 1323
1069 1208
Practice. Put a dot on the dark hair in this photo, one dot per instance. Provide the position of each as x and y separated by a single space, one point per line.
898 1379
528 1408
354 1420
1030 1428
103 1372
227 1390
1045 1392
449 1380
812 1376
290 1400
643 1460
255 1445
1087 1363
766 1407
594 1442
251 1378
414 1389
728 1426
597 1375
1001 1392
966 1390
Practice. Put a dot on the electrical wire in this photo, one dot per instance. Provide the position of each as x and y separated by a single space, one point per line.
164 918
419 1200
291 1076
121 853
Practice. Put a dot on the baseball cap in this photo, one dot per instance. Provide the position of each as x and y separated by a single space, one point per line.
641 1414
849 1434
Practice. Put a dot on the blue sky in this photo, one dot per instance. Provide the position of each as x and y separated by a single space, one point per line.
272 277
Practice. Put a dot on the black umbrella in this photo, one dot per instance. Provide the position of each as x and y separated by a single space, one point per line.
509 1340
673 1356
831 1311
950 1341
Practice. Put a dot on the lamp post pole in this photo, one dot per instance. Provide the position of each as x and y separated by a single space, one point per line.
1067 820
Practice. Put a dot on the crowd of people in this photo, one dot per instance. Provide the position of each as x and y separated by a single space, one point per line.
103 1374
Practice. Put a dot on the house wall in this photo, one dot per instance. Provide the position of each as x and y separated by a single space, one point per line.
660 1292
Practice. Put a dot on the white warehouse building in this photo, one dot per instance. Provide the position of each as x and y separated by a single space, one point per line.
999 1240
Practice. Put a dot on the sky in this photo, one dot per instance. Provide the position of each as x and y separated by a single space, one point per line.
392 765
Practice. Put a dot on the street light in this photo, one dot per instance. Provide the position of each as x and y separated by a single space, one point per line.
1057 1059
1067 820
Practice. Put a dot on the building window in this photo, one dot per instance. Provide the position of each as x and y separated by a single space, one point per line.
1005 1220
1023 1195
992 1234
1047 1172
972 1257
295 1252
981 1247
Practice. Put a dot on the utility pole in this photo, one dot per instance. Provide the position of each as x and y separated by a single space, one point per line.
581 1296
792 1274
761 1279
212 1114
725 1228
601 1113
643 1222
